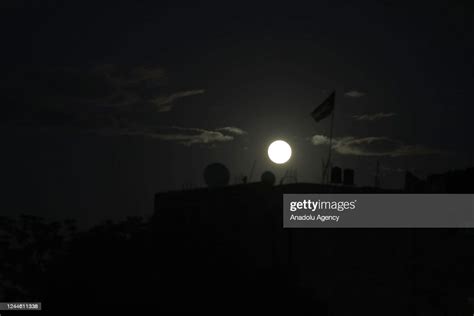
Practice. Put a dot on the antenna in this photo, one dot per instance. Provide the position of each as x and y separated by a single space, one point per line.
290 175
377 175
323 166
251 170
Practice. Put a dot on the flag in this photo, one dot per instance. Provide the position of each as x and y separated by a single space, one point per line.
325 108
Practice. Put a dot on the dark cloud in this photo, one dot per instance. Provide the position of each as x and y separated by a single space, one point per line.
373 117
372 146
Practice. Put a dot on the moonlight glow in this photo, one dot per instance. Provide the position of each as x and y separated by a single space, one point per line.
279 151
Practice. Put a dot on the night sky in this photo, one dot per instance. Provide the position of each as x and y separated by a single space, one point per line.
105 105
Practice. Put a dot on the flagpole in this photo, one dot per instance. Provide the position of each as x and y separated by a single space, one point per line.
323 168
328 163
321 112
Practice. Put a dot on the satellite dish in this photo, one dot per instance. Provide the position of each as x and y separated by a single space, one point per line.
268 178
216 175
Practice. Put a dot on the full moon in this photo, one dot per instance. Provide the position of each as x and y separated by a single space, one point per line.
279 151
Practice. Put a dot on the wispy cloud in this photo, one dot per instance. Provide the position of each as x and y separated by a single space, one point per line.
105 85
165 103
373 117
355 94
126 76
320 140
182 135
98 97
373 146
107 100
192 136
232 130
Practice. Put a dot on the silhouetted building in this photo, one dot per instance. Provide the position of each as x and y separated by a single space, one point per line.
336 175
413 183
231 241
454 181
348 176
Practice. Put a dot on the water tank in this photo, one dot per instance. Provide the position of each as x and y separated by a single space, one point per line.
336 175
216 175
268 178
348 176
